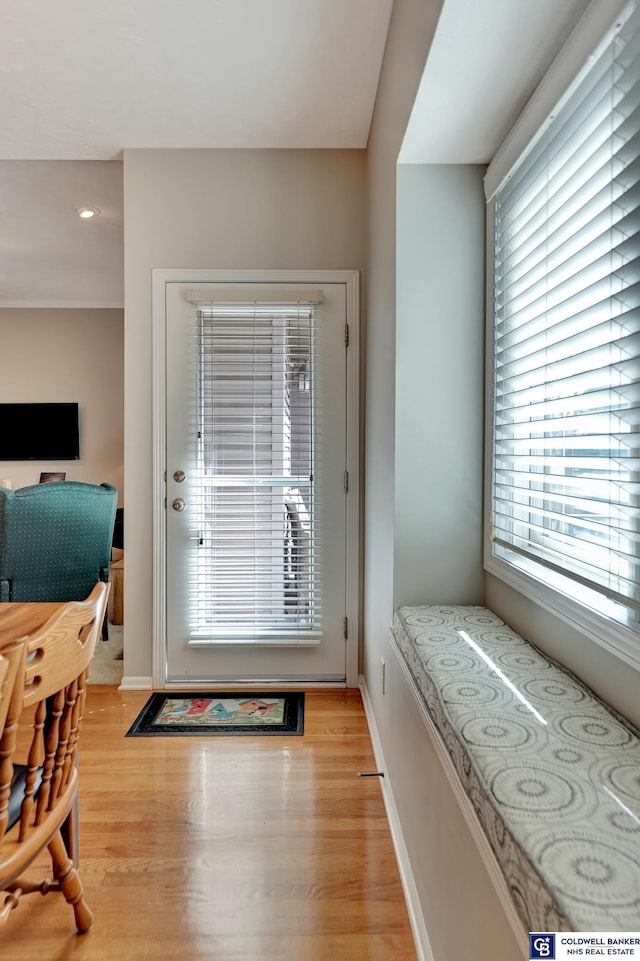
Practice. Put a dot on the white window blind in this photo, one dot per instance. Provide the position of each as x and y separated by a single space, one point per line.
258 542
566 431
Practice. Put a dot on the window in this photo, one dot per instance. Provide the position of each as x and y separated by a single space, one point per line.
565 458
255 463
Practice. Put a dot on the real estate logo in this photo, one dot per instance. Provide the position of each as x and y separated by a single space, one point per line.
542 946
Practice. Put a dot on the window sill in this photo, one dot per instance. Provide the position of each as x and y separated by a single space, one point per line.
621 641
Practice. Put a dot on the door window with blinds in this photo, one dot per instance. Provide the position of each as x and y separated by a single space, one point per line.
565 491
256 430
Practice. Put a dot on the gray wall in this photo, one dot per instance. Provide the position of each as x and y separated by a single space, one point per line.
64 354
439 385
257 209
411 30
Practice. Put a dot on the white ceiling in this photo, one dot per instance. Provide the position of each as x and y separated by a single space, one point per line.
81 81
49 257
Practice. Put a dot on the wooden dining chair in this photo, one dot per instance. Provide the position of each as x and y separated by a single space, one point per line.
38 755
12 654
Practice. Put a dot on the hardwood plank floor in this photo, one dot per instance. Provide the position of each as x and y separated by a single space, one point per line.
226 848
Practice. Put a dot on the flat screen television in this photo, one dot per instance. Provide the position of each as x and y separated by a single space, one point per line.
39 432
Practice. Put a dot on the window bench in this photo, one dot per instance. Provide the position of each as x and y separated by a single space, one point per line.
552 773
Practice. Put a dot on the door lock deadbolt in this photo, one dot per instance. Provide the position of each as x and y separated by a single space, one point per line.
179 476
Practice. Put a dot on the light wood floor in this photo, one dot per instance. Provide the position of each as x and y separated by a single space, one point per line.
226 848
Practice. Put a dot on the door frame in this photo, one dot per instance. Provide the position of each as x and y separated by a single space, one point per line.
351 280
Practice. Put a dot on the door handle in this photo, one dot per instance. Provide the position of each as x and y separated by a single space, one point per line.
179 504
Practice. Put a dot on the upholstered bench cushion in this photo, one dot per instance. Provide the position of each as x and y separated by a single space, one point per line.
552 772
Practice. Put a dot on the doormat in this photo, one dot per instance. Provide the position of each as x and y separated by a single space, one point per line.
220 713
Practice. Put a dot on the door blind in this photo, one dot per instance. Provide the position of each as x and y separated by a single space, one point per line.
566 445
257 537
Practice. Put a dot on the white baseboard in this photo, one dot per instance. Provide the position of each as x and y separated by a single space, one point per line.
136 684
416 917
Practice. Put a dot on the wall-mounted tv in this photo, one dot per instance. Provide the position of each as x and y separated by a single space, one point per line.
39 432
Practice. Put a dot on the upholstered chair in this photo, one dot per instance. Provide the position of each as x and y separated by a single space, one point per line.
55 540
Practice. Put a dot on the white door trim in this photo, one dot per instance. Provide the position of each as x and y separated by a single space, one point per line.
160 278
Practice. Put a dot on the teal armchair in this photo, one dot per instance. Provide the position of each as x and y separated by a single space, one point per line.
55 540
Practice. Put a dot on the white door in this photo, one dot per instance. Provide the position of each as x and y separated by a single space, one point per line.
258 557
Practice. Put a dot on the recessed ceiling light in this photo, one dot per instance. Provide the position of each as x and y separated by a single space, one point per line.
87 212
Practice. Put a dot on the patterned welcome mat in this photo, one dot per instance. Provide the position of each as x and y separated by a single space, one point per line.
220 713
